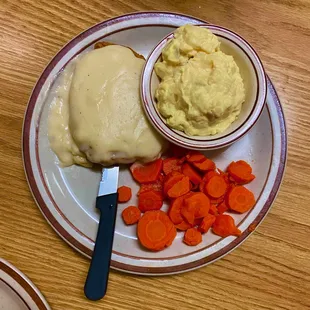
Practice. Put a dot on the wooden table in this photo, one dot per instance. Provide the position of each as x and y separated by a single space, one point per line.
271 270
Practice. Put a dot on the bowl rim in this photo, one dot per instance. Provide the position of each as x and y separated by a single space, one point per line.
199 143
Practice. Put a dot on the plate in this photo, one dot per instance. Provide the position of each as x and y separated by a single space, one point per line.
17 292
67 196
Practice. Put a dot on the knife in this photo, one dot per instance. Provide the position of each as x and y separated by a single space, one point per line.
97 279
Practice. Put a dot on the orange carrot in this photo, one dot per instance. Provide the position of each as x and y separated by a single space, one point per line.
217 201
206 178
205 165
199 203
156 186
224 226
171 164
216 187
194 177
188 212
180 188
195 157
206 223
150 200
124 194
183 226
240 199
131 215
170 180
222 207
155 230
192 237
241 172
175 211
146 173
213 210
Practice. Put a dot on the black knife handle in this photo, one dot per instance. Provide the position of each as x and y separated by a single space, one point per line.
97 279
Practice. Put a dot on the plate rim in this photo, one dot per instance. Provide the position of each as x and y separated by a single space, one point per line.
25 283
64 234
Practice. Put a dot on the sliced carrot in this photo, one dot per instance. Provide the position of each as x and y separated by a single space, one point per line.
205 165
189 213
241 172
222 207
213 210
216 187
180 188
195 157
206 223
192 237
198 202
155 230
224 226
171 164
156 186
170 180
150 200
240 199
183 226
206 178
194 176
175 211
131 215
124 194
146 173
217 201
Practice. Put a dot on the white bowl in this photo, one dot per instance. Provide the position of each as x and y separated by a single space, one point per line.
252 72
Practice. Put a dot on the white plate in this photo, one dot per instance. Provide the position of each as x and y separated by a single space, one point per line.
17 292
67 196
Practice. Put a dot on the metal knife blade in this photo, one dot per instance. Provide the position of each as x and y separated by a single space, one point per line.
109 181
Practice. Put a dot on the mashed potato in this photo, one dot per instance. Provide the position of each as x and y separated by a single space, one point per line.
201 90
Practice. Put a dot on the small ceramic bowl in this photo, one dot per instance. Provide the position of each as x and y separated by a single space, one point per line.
252 72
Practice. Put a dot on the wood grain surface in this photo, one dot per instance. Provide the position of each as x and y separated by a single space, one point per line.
271 270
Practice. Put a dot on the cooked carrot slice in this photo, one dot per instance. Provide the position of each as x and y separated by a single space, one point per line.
171 179
155 230
156 186
222 207
206 178
213 210
146 173
241 172
180 188
150 200
124 194
206 223
194 176
198 203
131 215
175 210
224 226
183 226
205 165
240 199
171 164
192 237
216 187
195 157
